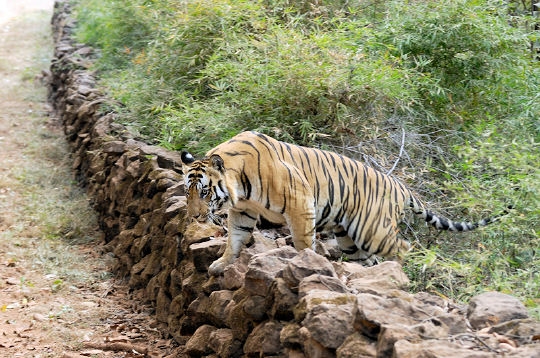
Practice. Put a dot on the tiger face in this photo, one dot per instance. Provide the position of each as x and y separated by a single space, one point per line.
203 182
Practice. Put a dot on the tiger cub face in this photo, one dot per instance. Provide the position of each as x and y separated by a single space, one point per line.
205 188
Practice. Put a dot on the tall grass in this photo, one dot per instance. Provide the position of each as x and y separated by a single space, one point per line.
456 75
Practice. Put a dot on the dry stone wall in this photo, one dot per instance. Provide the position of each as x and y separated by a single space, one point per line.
273 301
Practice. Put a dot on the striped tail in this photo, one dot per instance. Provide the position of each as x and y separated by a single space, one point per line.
442 223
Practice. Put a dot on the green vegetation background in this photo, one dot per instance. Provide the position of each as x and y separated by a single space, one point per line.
445 93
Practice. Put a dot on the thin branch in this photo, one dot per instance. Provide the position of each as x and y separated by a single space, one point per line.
400 151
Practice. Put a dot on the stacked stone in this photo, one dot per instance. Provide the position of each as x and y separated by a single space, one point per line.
273 301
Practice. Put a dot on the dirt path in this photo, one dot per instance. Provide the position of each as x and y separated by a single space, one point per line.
57 297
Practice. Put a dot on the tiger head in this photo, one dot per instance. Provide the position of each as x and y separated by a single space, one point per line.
205 188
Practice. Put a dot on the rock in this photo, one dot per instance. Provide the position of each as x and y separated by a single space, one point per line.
492 308
264 340
357 346
234 275
196 314
321 282
204 253
372 312
222 342
345 269
255 307
199 232
115 147
239 321
523 330
307 263
385 276
329 323
317 297
290 336
312 348
281 300
198 344
391 333
217 305
264 267
435 349
163 302
529 351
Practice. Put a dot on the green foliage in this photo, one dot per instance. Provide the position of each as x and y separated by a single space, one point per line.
462 47
456 75
119 31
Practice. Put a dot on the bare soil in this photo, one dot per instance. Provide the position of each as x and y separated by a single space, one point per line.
57 295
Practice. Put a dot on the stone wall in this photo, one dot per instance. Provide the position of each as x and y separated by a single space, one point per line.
273 301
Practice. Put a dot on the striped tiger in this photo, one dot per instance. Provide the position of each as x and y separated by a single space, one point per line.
311 190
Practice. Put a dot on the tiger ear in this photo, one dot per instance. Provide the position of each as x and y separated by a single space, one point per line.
187 158
217 163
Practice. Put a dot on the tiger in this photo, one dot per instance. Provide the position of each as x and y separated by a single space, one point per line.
310 190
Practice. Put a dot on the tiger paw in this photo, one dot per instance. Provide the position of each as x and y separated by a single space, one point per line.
218 266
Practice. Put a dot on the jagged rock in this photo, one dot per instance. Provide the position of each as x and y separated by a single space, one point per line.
306 263
204 253
163 303
357 346
255 307
198 344
318 297
529 351
239 321
290 336
217 305
114 147
222 342
281 300
293 353
435 349
196 232
321 282
198 309
386 276
372 312
391 333
234 275
264 340
263 268
492 308
312 348
166 158
524 331
330 322
144 270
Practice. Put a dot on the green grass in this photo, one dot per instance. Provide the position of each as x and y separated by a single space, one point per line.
456 76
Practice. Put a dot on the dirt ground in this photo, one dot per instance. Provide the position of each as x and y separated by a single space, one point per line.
57 296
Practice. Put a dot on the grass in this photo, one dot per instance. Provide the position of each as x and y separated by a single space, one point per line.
51 211
455 77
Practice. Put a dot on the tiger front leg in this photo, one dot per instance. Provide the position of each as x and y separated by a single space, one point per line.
241 224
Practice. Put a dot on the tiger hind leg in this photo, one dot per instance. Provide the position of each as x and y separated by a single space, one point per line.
352 252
